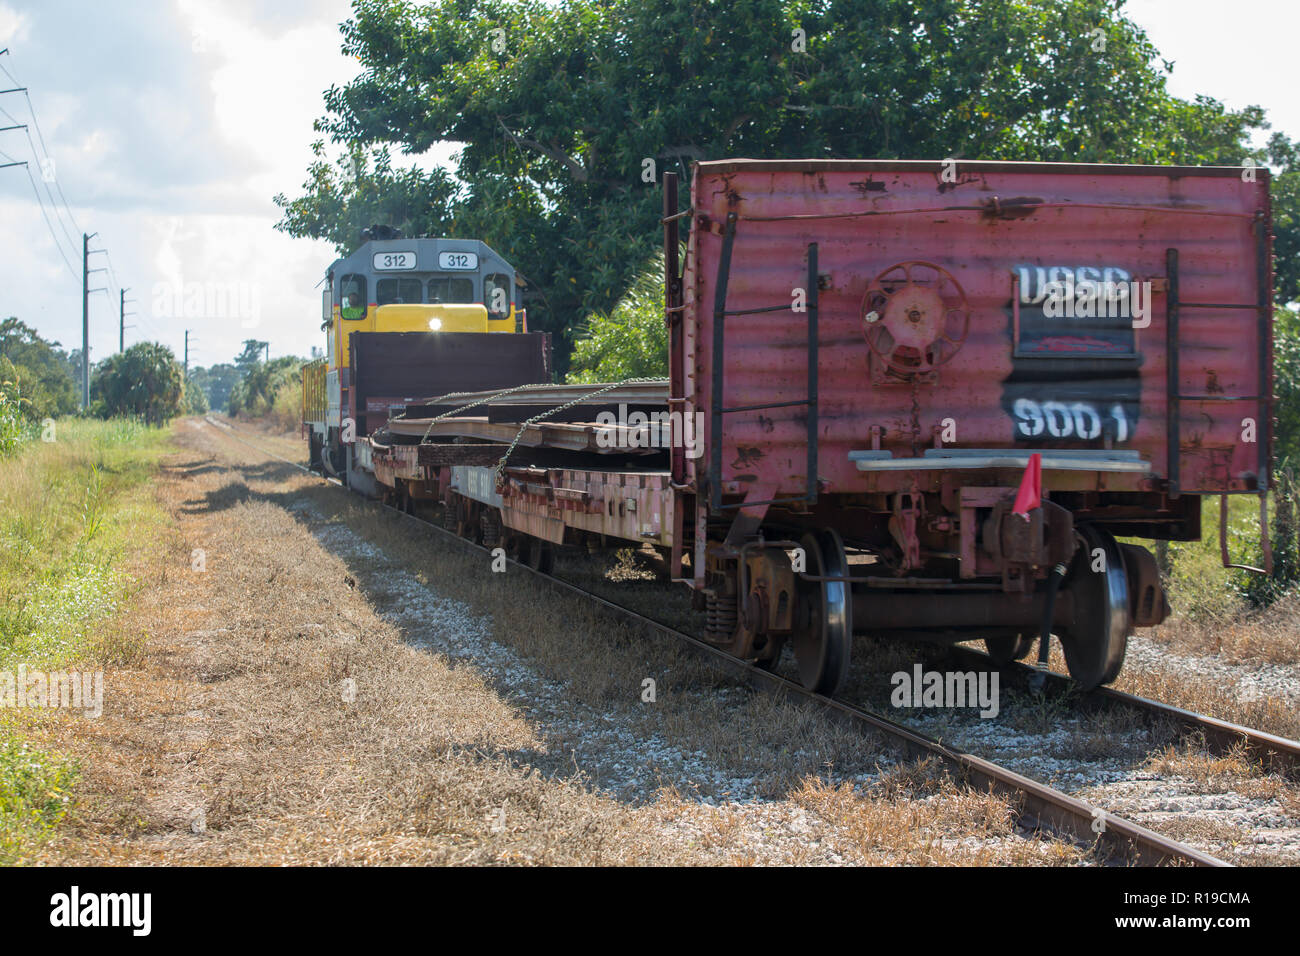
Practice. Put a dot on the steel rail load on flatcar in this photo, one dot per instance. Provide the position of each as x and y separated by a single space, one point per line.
907 399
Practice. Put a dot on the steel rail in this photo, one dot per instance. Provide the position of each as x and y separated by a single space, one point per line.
1278 754
1040 806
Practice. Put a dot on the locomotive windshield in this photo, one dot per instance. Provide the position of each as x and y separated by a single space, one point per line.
398 291
451 289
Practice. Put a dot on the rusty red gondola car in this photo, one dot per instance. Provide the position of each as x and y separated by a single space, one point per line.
875 351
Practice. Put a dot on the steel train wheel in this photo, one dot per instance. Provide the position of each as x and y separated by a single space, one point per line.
1005 648
823 632
1095 641
451 512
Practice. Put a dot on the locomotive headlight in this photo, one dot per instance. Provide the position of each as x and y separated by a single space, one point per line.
435 325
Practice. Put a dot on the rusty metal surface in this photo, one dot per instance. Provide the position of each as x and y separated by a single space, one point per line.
994 224
393 368
479 453
633 506
568 436
635 394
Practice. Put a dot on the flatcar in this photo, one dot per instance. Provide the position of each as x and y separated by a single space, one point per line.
917 400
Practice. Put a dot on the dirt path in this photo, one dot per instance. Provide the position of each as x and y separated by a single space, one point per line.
331 687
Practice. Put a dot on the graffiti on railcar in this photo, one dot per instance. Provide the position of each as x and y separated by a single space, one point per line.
1075 355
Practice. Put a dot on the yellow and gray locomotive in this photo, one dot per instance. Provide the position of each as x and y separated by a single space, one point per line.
407 319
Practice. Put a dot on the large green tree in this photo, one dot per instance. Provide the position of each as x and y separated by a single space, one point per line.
629 341
557 109
217 381
255 393
39 368
145 382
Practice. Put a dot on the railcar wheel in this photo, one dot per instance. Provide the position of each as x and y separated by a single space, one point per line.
1095 641
823 634
1005 648
451 512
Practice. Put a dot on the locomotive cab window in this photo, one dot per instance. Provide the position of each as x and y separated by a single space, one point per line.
398 291
451 290
496 295
352 296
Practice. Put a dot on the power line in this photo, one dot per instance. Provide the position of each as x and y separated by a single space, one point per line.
42 157
49 175
53 202
37 193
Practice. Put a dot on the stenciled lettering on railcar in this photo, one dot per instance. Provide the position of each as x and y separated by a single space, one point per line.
1075 355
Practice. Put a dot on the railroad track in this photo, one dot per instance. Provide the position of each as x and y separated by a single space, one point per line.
1040 806
1277 754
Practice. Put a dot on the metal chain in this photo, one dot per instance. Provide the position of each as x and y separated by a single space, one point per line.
460 408
501 465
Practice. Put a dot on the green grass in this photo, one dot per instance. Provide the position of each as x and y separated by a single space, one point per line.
73 513
70 511
1200 587
35 795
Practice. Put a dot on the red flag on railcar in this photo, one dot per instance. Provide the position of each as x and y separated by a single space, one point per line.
1030 495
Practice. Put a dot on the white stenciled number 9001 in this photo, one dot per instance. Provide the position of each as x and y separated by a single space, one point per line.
1067 420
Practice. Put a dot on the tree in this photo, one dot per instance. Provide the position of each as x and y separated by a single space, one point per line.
39 368
255 394
13 413
251 357
145 382
568 115
216 381
629 341
1286 386
195 401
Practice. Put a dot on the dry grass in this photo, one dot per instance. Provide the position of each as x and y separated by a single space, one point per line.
1213 698
227 737
1270 635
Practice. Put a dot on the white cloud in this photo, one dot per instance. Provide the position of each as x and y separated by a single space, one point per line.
13 26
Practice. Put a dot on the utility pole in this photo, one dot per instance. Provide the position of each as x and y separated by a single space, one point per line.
121 319
85 320
268 353
187 354
86 252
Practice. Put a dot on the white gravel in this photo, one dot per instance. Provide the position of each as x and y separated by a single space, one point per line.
1114 774
1251 680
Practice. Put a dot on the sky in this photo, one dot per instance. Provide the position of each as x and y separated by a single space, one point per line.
172 123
